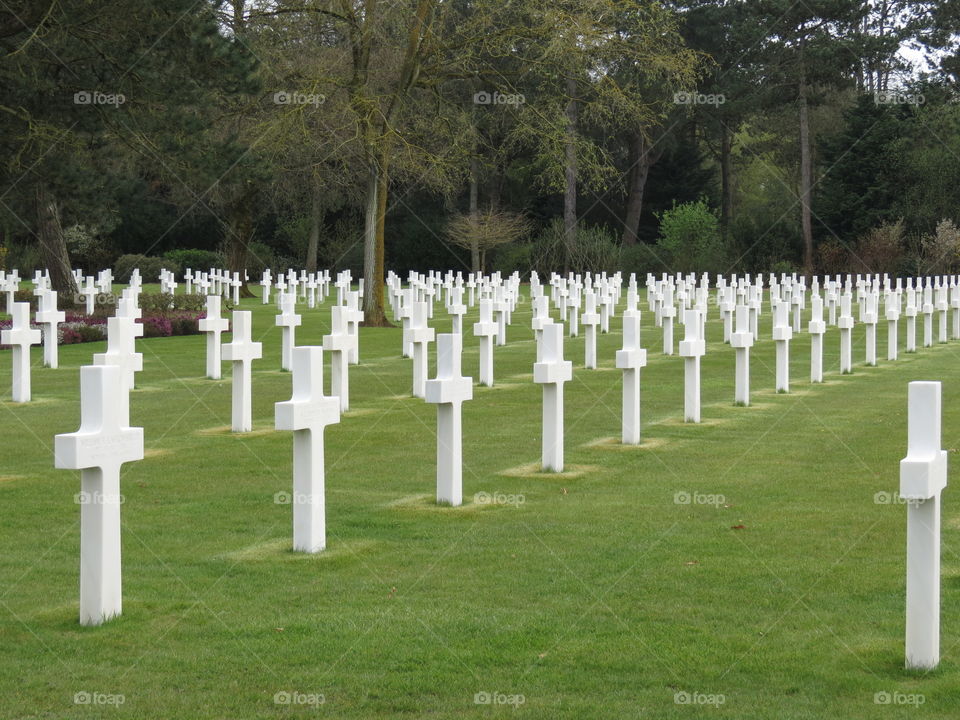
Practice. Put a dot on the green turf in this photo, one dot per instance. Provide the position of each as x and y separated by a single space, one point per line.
598 595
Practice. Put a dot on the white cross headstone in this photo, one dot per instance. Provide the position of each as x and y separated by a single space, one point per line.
11 283
449 390
242 351
845 323
338 343
893 315
816 328
741 339
354 317
89 293
121 353
923 476
667 313
942 307
20 337
213 326
288 321
955 306
571 302
501 310
631 359
590 320
486 329
552 371
910 312
692 348
782 333
307 413
927 310
421 335
870 317
48 317
265 284
98 449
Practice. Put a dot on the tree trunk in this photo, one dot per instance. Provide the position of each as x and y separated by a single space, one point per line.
53 246
241 235
370 237
726 185
474 184
373 256
641 159
806 177
570 191
316 215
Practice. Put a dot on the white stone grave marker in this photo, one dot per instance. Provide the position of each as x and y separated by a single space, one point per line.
213 326
631 359
449 390
20 337
98 449
923 476
552 371
242 351
307 413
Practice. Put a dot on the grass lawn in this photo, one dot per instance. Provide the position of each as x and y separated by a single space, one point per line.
600 595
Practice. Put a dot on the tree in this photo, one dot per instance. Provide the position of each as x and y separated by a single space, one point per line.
483 231
805 47
88 90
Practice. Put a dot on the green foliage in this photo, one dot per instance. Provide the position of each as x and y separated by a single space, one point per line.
641 259
194 259
863 188
149 266
594 249
261 256
514 258
783 267
881 249
88 250
939 252
690 238
165 303
24 256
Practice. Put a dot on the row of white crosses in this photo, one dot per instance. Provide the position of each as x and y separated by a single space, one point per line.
310 287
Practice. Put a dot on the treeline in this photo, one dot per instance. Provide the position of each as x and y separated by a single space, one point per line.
495 134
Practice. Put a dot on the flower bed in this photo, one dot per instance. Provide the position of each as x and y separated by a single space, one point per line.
80 328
